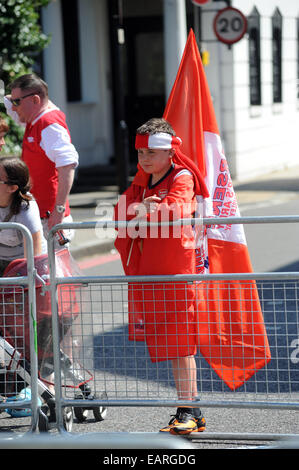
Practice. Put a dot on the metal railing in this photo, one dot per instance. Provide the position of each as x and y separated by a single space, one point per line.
108 363
18 313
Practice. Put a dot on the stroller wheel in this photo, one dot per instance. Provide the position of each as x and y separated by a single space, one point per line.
68 418
100 412
43 422
80 413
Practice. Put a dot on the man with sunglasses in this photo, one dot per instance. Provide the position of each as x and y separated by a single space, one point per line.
47 149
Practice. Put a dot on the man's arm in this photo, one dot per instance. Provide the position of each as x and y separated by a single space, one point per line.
57 145
65 182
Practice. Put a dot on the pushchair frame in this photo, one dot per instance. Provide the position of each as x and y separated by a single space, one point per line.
37 306
29 281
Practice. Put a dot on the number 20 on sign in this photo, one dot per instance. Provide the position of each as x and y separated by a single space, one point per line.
230 25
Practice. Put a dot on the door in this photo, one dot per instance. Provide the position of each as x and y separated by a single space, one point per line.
144 87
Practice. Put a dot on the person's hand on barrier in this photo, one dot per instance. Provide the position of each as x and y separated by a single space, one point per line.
147 206
151 203
55 218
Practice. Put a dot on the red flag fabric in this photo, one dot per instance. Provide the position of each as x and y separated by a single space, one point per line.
232 334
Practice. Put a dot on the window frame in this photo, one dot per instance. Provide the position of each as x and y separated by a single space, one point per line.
254 52
71 42
277 57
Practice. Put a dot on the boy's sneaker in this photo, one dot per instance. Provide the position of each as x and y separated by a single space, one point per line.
171 423
185 423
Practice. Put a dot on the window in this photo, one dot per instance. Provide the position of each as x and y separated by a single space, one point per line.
254 58
38 65
70 21
277 56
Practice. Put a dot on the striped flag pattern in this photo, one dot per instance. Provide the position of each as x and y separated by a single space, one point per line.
232 334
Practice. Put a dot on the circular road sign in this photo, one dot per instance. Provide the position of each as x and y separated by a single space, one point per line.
230 25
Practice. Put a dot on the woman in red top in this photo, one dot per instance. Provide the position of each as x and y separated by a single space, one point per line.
164 314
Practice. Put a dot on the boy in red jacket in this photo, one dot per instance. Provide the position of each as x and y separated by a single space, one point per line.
165 188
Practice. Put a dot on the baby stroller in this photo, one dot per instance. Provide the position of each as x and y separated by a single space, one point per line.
15 341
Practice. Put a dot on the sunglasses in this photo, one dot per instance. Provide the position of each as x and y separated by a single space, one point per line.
17 101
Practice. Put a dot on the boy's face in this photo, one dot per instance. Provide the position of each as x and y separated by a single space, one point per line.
155 161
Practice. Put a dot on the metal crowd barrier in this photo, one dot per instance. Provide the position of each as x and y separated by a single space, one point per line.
18 337
96 440
97 367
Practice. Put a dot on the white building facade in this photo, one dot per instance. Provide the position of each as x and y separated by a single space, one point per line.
98 80
258 115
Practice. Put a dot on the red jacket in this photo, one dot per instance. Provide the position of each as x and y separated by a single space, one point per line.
165 250
43 172
163 314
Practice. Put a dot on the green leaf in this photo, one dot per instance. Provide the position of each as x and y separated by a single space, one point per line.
21 42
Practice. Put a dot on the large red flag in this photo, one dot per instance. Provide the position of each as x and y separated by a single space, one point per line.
232 334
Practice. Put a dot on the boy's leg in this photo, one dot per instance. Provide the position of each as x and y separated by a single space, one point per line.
187 419
184 373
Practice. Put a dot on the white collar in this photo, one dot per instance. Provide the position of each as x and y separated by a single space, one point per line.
48 110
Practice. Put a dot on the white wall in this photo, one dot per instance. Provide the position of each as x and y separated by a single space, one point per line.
267 136
175 36
256 139
54 54
220 78
263 138
90 120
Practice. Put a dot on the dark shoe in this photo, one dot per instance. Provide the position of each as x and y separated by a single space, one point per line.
192 426
171 423
184 422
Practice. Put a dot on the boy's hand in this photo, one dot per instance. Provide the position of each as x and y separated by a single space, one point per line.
151 203
147 206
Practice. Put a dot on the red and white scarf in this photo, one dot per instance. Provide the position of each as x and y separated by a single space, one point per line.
165 141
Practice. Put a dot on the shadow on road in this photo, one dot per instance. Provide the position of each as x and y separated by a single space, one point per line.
116 355
279 184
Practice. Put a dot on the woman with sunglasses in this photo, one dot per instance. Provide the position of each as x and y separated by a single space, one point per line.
17 205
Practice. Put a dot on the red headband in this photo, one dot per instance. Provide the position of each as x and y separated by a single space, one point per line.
160 140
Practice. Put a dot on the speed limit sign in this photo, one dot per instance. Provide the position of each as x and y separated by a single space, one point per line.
230 25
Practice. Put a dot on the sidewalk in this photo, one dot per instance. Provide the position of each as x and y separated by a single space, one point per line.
89 207
280 185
